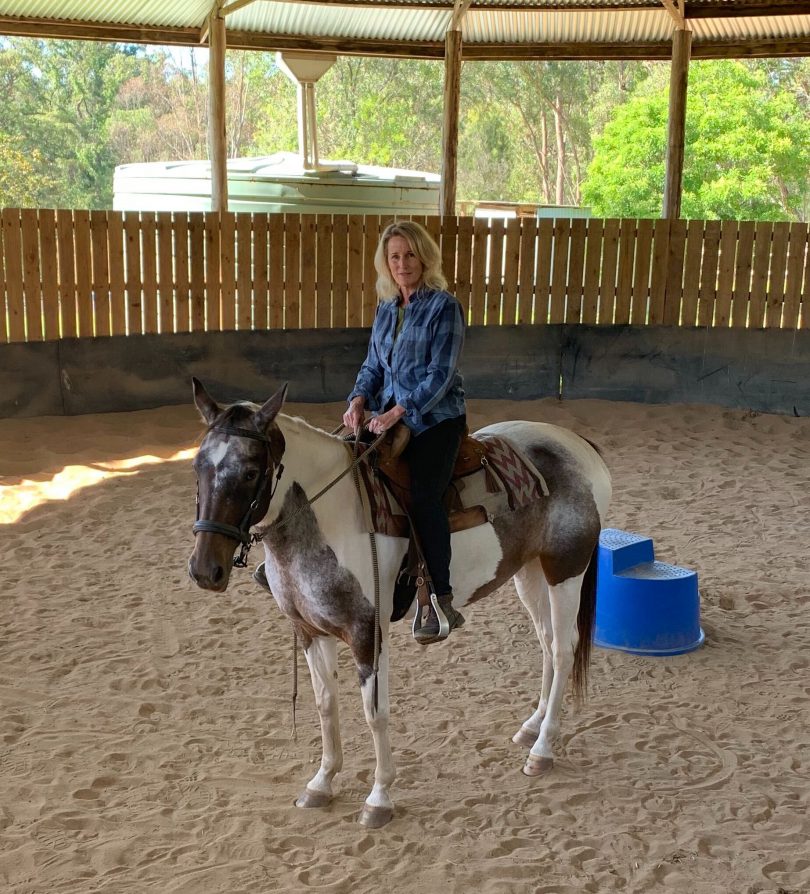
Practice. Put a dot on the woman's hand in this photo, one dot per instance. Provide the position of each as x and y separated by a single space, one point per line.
355 414
381 423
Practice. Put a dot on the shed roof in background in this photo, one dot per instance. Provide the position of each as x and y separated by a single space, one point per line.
491 29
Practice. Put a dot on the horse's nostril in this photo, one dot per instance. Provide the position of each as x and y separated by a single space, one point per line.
217 574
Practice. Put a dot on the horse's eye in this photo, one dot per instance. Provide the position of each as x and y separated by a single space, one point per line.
251 475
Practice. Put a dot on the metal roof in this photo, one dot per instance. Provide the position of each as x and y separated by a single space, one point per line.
505 29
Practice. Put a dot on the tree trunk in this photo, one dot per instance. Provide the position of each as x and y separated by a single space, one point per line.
558 130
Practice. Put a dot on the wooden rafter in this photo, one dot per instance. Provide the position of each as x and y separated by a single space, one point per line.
673 8
460 8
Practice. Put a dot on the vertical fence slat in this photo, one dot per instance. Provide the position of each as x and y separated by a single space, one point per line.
433 224
795 269
115 253
528 242
182 291
691 272
308 260
763 231
165 234
12 255
640 298
675 257
559 275
4 334
725 273
463 285
275 273
323 271
101 273
261 270
213 272
776 284
292 271
244 272
658 274
50 279
149 271
624 278
494 273
576 271
742 274
132 234
593 269
84 270
542 277
804 314
31 275
708 273
67 273
196 234
610 258
354 309
449 234
227 271
511 266
478 285
339 272
372 228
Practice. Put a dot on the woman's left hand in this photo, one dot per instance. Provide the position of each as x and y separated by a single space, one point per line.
378 424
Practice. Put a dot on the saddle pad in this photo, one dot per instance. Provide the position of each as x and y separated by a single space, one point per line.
505 482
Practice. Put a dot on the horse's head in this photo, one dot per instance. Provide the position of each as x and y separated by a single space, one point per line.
236 466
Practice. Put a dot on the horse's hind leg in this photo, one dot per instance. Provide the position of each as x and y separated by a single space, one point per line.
379 808
532 589
322 660
564 606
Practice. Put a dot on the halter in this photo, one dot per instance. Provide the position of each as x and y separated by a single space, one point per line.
258 505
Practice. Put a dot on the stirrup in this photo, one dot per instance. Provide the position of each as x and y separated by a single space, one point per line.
433 632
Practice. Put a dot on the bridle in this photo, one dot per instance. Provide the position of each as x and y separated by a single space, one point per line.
265 488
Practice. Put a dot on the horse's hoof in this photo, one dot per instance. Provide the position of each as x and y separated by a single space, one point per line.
375 817
310 798
525 737
537 766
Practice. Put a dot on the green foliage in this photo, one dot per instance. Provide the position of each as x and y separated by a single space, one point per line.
747 150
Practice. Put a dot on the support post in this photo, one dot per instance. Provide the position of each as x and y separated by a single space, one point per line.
217 146
452 92
676 130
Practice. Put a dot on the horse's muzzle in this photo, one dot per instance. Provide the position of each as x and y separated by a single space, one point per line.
209 571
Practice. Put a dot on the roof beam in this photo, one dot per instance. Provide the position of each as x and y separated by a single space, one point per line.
675 13
460 8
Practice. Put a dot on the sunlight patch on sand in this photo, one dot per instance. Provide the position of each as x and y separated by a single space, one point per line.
17 499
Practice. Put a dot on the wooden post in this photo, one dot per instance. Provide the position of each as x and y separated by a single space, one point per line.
217 147
452 90
676 131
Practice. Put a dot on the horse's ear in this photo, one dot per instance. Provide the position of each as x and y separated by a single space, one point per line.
270 409
208 407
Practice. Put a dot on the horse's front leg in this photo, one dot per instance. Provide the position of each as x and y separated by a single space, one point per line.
321 657
379 808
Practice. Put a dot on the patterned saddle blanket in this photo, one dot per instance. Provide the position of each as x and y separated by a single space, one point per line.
491 477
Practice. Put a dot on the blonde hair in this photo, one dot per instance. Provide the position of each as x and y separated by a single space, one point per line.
423 246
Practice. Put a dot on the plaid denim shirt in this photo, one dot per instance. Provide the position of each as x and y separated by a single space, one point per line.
418 370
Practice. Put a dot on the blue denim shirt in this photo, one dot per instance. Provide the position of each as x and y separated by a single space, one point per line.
419 368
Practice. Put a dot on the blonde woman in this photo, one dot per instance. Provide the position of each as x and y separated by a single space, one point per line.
411 375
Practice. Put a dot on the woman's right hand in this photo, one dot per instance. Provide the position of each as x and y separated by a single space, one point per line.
355 415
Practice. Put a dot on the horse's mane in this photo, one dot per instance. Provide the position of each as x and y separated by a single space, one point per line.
240 413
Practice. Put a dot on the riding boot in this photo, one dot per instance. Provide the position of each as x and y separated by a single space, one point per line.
261 578
442 618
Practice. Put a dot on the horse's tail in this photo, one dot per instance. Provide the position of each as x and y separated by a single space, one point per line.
585 621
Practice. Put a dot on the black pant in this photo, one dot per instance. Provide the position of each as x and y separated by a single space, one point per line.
431 456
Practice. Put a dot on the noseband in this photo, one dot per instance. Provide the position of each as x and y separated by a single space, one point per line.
265 488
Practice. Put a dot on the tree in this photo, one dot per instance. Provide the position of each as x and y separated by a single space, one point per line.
747 149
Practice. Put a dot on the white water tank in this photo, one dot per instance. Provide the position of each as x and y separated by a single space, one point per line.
275 184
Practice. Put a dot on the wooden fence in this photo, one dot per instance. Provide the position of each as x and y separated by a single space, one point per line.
94 273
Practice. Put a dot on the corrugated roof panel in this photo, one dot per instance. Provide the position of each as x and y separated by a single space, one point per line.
759 26
492 26
160 13
329 20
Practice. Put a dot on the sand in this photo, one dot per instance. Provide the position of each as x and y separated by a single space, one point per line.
145 724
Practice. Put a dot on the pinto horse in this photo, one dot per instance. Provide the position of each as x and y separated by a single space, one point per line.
320 569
